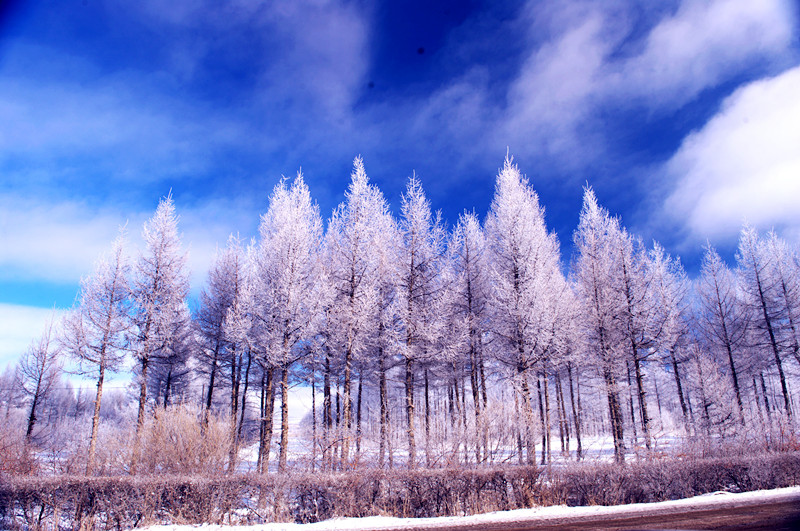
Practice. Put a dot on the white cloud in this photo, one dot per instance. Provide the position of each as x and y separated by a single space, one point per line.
744 164
587 64
553 92
19 326
702 45
53 241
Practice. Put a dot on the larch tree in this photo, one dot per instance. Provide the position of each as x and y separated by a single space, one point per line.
527 283
355 245
762 294
385 338
641 318
159 289
419 291
671 291
720 317
96 332
39 372
286 299
597 240
224 322
469 311
785 271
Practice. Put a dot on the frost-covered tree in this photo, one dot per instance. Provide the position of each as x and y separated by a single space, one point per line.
286 297
355 246
597 241
419 291
671 291
224 322
720 317
469 290
96 332
763 296
527 282
159 288
785 271
642 318
39 372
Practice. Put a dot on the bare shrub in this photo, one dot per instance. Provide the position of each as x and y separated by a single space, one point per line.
175 442
133 501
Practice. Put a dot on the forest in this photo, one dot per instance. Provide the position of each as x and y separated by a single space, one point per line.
428 351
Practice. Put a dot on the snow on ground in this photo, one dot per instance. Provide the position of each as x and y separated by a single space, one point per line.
541 515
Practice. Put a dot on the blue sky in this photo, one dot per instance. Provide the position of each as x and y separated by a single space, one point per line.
683 115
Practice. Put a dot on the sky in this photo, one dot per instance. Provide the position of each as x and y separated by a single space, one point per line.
684 116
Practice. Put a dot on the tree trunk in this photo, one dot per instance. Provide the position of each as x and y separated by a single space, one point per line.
630 400
211 380
542 418
313 419
576 415
774 344
327 412
615 415
384 405
547 416
520 449
282 458
346 404
358 413
427 421
96 415
244 397
140 416
645 418
412 447
766 398
267 410
679 386
563 423
473 381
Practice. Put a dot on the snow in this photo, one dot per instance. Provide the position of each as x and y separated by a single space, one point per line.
540 515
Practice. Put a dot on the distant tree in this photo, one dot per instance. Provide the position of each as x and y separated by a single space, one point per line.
159 288
286 300
96 331
10 391
39 372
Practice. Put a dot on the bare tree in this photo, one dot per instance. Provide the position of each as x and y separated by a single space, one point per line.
96 330
39 371
469 292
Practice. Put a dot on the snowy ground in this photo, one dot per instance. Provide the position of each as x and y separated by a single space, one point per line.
539 516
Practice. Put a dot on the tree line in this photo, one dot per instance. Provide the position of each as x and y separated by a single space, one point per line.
431 345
